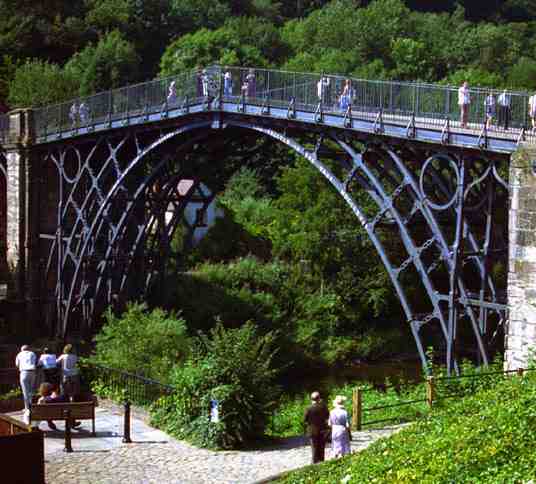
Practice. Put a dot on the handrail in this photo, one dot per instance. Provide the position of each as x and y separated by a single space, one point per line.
432 390
125 385
429 104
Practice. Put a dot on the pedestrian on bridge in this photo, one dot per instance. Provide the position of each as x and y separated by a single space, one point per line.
322 87
172 94
73 113
26 362
532 111
228 84
84 113
490 106
316 418
251 83
464 101
346 96
505 102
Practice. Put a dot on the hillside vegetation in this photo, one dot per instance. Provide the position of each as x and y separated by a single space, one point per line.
487 437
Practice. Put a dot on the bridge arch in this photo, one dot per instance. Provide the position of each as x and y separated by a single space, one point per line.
102 203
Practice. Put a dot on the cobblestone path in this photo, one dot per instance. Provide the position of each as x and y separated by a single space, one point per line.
154 457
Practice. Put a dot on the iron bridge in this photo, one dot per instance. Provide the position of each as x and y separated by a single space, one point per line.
114 168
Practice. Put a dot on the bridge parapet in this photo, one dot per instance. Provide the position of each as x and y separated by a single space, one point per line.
17 128
520 341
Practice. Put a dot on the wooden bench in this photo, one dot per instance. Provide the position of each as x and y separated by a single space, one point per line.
64 411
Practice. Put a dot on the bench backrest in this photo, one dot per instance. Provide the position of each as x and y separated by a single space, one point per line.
56 411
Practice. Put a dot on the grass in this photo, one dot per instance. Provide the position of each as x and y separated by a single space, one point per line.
486 437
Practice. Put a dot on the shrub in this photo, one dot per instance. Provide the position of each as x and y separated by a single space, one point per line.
143 342
233 367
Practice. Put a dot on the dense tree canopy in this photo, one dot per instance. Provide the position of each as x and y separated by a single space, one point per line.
489 42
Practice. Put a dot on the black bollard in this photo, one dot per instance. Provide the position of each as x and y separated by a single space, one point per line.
68 446
126 426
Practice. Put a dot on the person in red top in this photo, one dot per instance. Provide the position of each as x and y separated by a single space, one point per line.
316 417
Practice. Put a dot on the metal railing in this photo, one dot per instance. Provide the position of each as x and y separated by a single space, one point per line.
404 103
434 391
123 386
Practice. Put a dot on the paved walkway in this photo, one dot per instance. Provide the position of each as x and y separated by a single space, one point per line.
154 457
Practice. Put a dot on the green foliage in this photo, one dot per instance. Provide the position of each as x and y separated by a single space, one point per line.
144 342
36 82
192 15
241 41
485 437
523 74
15 393
111 63
234 367
475 77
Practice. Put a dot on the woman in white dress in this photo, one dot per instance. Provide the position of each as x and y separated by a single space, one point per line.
340 428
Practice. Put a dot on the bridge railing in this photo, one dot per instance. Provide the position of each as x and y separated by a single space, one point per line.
428 105
123 386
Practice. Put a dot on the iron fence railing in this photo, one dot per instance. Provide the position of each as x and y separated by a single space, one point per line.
435 390
426 105
123 386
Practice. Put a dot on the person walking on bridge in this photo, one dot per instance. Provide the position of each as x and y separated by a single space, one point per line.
26 362
464 101
532 111
316 418
504 101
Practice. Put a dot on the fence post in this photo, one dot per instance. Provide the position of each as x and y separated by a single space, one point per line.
430 391
520 371
126 424
68 446
357 408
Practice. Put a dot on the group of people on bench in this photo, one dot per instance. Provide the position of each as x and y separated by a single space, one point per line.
50 393
54 373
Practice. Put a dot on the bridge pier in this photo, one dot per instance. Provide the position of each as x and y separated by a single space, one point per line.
520 337
22 234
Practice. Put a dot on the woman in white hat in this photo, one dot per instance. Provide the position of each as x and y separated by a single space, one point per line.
340 428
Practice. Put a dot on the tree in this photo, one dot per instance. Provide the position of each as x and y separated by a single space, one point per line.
36 83
523 74
142 342
111 63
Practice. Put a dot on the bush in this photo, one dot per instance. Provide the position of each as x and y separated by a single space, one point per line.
142 342
233 367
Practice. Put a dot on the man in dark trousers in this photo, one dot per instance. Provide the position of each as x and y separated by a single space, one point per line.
316 418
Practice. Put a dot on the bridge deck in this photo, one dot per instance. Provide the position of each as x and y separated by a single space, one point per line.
422 112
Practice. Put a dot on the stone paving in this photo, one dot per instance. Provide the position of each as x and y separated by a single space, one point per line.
154 457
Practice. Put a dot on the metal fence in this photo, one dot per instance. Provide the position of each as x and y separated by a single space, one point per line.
426 105
434 391
123 386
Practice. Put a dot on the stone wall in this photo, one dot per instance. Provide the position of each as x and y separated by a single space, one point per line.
520 341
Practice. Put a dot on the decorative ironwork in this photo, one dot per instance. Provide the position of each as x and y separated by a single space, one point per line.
116 168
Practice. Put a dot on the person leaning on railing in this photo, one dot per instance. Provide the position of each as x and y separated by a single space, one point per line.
47 361
464 101
490 107
26 362
532 111
504 100
70 375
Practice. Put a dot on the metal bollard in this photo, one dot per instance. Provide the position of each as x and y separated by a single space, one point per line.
126 424
68 446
